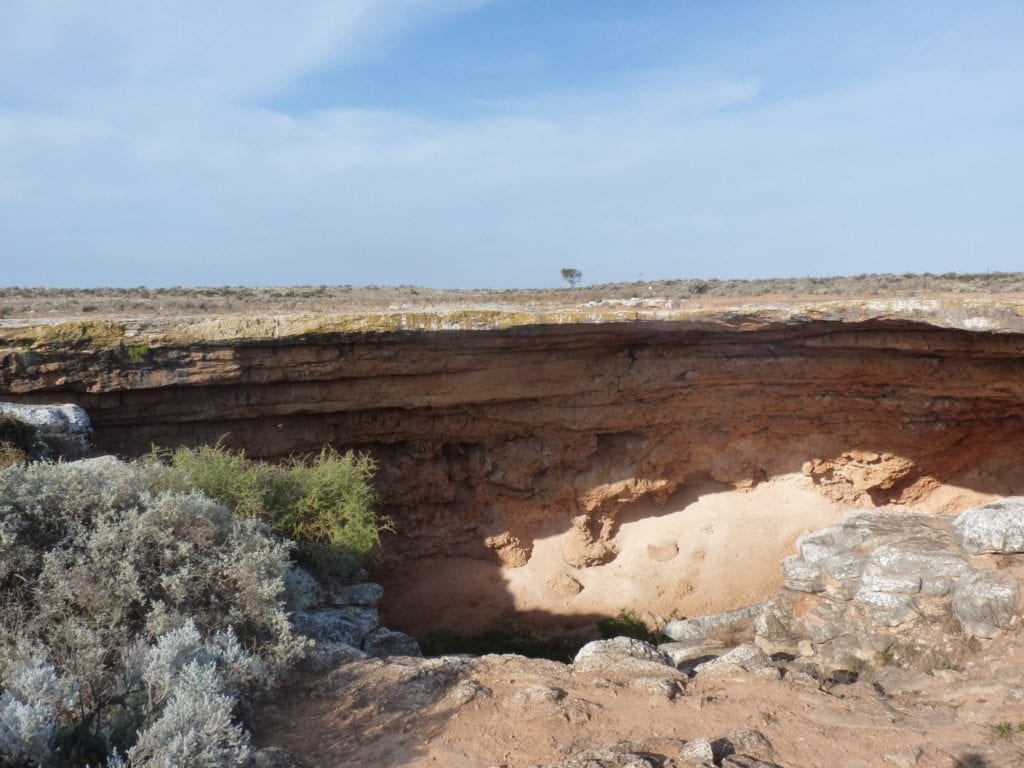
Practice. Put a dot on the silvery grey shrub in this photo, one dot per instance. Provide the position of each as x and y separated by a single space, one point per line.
125 612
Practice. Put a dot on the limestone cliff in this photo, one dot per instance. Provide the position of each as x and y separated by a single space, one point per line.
491 425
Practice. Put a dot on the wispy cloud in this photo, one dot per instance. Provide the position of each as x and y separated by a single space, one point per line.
136 147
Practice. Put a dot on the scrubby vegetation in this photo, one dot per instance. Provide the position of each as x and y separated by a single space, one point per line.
16 440
325 506
71 302
139 617
628 624
133 620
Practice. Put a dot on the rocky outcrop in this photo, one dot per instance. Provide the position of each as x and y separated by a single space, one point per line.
492 426
343 621
891 585
46 432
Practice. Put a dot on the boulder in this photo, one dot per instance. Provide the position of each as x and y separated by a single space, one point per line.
623 646
368 595
802 576
348 625
697 752
701 628
997 527
383 642
745 658
301 590
51 431
985 603
684 654
324 657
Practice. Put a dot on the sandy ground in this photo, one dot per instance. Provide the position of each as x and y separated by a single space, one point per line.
710 548
368 713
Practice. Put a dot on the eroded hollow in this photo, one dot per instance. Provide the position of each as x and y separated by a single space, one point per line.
556 474
707 547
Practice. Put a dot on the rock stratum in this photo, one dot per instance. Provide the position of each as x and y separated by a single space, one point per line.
550 439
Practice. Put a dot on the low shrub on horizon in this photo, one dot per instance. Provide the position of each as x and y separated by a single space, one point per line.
326 506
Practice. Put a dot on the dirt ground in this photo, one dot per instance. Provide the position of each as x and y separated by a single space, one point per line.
377 713
688 557
478 712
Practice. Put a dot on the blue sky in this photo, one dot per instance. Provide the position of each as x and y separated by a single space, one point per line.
488 143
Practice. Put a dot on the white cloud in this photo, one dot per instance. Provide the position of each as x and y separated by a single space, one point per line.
155 163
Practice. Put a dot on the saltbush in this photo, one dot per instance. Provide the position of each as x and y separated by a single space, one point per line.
326 506
134 616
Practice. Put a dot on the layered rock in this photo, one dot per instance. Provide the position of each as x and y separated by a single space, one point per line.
491 426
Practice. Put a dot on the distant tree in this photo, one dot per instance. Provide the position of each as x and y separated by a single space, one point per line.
571 275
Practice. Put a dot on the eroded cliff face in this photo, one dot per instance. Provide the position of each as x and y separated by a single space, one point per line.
497 432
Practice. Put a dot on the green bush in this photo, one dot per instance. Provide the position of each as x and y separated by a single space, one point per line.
325 506
628 624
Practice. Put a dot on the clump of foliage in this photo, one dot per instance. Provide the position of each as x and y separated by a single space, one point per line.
16 440
508 639
628 624
1002 730
133 620
325 506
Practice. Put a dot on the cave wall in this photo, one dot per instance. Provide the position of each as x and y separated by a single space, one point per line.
486 434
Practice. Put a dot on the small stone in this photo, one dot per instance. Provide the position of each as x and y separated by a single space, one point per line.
904 758
565 585
743 761
701 628
659 687
801 575
533 697
466 691
747 657
697 752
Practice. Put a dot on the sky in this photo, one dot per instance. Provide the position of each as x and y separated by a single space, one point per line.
490 143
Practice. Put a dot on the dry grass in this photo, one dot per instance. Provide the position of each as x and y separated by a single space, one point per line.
18 302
